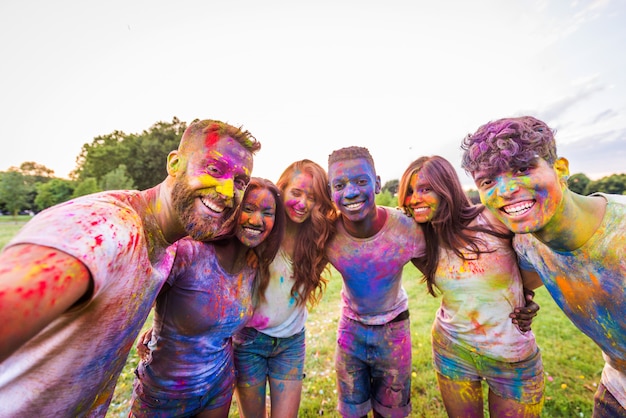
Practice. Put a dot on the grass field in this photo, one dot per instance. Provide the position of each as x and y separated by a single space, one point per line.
572 362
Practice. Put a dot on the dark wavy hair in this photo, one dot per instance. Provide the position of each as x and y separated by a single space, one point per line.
309 256
266 250
449 226
508 144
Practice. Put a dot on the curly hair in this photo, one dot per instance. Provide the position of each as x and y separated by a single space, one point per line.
507 144
309 256
449 227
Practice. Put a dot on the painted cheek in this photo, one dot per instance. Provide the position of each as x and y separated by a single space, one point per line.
226 188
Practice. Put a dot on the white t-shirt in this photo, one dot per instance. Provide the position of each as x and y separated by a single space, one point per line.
71 367
478 295
371 268
279 315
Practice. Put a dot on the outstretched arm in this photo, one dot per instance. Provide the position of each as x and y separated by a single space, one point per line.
37 284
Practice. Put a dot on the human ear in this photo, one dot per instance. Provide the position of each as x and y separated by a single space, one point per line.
173 163
561 166
377 190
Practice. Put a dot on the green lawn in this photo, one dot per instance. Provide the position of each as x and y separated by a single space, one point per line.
572 362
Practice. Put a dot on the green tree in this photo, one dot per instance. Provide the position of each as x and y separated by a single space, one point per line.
53 192
384 198
578 183
85 187
144 155
473 196
15 191
103 155
117 180
149 149
392 186
614 184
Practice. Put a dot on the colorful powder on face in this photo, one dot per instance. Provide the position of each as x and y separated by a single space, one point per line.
211 139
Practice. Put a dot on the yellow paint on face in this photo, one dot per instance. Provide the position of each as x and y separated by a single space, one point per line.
224 187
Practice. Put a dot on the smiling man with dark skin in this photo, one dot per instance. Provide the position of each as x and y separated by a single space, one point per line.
78 281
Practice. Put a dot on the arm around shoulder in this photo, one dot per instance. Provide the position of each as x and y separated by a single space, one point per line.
37 284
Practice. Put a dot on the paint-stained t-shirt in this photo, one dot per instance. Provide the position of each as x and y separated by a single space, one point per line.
194 322
478 294
371 268
71 367
589 286
279 315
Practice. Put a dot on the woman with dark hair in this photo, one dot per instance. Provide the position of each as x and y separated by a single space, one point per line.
272 346
187 364
470 261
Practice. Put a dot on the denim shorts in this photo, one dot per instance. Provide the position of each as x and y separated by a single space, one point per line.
521 381
373 364
258 356
605 405
147 404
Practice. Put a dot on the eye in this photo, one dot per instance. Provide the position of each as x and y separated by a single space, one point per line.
523 171
240 183
485 183
362 182
213 171
337 186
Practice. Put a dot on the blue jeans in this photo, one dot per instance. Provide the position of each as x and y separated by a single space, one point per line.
521 381
373 364
258 356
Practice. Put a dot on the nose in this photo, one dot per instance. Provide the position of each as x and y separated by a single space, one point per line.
507 186
255 219
351 191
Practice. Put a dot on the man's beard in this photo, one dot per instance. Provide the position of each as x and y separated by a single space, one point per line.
198 227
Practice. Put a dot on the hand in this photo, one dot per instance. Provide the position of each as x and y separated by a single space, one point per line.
142 344
523 316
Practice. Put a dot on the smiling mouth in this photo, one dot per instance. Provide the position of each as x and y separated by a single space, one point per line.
217 207
421 210
519 208
354 206
252 231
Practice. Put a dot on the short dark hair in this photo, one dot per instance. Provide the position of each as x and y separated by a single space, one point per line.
351 153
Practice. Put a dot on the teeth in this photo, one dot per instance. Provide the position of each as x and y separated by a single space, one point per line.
421 209
352 206
214 206
518 208
252 231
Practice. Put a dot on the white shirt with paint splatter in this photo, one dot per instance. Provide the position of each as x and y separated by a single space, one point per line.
371 268
71 367
477 297
279 315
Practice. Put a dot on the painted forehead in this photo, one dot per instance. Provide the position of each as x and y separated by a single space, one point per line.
352 167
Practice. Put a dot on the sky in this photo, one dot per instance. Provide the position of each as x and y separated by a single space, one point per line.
403 78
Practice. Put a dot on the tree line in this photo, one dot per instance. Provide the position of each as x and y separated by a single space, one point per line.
137 161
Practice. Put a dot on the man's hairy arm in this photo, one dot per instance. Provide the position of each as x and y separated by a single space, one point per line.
37 284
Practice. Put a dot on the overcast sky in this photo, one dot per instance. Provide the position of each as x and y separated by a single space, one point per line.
404 78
